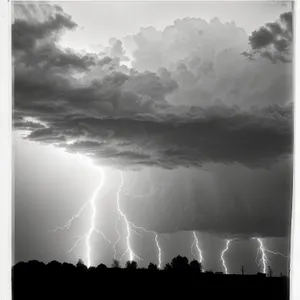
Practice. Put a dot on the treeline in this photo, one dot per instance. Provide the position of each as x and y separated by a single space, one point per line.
179 278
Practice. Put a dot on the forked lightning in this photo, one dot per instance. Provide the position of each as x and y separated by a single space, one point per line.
131 227
264 260
92 228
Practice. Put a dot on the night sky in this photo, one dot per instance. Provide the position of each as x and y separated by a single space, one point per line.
190 103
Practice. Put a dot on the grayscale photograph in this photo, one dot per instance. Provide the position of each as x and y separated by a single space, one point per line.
152 149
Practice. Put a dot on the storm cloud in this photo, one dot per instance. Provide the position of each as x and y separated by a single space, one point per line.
127 119
273 40
190 100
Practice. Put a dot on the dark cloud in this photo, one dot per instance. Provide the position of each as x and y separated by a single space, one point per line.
130 114
49 57
191 100
27 125
273 40
37 57
220 134
26 34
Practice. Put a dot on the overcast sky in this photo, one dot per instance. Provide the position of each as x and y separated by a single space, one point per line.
161 93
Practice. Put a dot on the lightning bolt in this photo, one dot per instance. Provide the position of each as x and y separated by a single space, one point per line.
132 255
92 228
264 260
131 227
196 243
276 253
118 239
74 217
222 256
158 249
156 242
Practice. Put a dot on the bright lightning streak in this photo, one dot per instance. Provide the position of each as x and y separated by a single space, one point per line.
159 250
196 242
264 261
92 228
222 255
156 242
131 228
132 255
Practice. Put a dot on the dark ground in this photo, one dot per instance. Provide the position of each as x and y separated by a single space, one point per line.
36 280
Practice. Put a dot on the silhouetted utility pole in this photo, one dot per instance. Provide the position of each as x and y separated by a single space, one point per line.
270 271
242 269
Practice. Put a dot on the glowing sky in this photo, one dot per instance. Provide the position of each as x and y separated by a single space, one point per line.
226 172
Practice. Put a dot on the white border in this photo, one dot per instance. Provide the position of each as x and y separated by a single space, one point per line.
184 1
295 230
6 156
5 151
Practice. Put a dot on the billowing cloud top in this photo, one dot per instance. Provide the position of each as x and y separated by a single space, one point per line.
190 97
273 40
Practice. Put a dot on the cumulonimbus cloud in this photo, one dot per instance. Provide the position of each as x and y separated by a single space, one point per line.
203 103
126 119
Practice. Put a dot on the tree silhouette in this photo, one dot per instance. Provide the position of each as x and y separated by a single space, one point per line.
115 264
180 263
168 267
102 267
80 265
196 266
131 265
152 266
